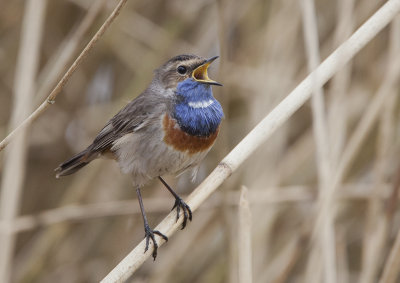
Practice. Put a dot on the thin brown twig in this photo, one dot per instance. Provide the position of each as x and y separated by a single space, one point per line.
50 100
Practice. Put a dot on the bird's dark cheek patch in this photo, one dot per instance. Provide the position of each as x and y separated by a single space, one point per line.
184 142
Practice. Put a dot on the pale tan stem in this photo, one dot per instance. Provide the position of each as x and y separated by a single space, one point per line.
244 238
392 267
378 223
15 159
261 133
326 240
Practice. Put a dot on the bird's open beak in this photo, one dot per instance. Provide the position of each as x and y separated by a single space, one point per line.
200 73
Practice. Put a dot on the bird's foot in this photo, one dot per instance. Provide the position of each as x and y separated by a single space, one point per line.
187 212
149 234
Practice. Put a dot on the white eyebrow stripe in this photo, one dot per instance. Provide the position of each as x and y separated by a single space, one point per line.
201 104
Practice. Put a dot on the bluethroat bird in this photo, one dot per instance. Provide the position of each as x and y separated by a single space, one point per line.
167 129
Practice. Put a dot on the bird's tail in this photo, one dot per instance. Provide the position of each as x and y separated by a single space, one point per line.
73 164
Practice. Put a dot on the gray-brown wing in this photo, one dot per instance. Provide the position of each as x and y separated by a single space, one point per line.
135 116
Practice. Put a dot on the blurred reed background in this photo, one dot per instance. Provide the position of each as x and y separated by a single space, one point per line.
77 228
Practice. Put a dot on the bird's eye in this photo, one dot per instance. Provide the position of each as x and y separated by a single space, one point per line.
182 70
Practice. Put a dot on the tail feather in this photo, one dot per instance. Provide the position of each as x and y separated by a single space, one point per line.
74 164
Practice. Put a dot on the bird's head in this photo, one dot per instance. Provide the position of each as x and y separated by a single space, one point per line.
183 67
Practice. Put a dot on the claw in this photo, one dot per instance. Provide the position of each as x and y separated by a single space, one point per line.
161 235
149 234
179 203
187 212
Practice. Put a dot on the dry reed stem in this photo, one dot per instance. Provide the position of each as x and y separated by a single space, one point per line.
267 196
367 121
326 240
338 116
35 256
139 27
179 249
317 98
392 267
83 212
342 256
364 126
313 271
58 62
262 132
285 261
378 223
244 238
53 95
15 159
338 110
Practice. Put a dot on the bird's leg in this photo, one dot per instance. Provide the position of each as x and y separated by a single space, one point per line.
179 203
149 233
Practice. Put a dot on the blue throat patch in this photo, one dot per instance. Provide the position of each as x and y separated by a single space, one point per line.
196 110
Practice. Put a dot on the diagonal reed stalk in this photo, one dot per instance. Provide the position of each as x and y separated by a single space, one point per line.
262 132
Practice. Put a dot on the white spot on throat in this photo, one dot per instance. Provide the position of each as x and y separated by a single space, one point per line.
200 104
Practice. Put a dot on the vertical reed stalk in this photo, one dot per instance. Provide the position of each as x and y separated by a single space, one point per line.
15 159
